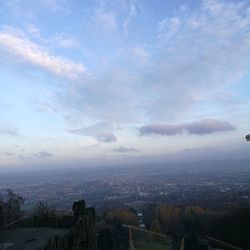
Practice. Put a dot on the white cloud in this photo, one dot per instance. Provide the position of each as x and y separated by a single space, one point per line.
61 40
208 51
203 51
28 52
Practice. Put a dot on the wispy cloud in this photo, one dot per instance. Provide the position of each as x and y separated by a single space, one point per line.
196 52
100 131
43 154
65 41
106 19
203 127
165 70
132 11
56 5
9 131
60 40
29 52
194 66
125 150
106 137
8 154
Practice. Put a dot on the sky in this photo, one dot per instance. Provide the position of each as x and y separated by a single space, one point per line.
99 82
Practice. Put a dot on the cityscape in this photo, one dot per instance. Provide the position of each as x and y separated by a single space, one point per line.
216 188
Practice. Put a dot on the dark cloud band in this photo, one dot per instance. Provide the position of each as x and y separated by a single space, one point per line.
202 127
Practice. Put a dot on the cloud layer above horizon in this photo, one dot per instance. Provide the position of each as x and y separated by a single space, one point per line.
202 127
89 80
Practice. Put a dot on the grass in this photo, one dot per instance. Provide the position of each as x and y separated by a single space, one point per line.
144 241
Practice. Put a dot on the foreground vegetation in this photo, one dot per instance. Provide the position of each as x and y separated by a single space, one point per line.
193 222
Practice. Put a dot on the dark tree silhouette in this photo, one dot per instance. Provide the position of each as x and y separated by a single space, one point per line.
79 208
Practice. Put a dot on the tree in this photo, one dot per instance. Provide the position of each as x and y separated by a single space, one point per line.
44 214
155 226
104 240
115 219
10 206
14 202
122 216
79 208
42 209
169 219
1 209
